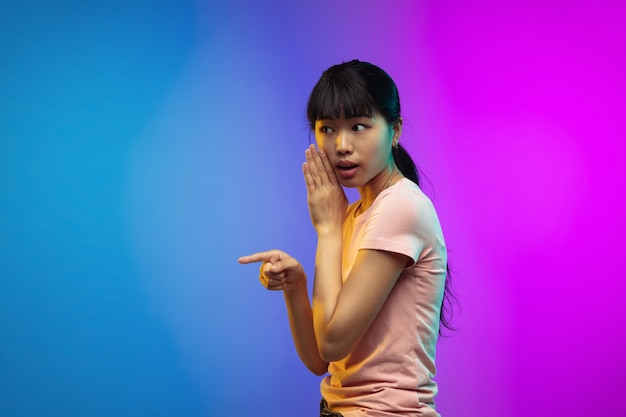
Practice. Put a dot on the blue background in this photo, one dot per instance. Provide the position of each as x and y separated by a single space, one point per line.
146 145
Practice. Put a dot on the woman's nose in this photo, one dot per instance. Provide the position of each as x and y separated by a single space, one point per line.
343 145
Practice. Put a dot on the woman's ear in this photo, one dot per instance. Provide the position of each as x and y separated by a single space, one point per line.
397 131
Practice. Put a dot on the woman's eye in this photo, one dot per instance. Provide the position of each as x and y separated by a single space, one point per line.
358 127
326 129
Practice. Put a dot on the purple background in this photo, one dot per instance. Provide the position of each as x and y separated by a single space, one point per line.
145 145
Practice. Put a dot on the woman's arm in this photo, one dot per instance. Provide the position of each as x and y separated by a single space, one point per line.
301 324
280 271
342 313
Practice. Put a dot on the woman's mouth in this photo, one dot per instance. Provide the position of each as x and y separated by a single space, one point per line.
346 170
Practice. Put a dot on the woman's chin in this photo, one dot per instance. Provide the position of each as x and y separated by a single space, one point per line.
349 183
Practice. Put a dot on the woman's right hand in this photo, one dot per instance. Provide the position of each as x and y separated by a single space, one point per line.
279 271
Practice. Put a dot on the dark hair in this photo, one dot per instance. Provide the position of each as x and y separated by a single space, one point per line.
360 89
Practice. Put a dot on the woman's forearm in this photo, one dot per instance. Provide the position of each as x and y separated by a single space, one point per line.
326 289
301 324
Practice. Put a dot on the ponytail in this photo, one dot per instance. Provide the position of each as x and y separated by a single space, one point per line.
407 167
405 163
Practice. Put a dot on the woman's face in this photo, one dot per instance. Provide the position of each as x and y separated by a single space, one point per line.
359 149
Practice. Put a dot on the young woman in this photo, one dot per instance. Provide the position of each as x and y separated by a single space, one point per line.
381 262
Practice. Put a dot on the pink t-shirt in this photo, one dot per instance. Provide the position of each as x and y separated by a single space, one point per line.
390 372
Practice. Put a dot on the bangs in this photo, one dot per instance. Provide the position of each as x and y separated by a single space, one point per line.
339 93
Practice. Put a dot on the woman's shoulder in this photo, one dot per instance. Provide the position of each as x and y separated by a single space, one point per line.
405 205
406 194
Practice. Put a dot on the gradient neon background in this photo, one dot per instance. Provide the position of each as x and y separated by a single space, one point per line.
145 145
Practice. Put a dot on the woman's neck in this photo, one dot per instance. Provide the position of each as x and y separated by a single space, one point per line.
376 185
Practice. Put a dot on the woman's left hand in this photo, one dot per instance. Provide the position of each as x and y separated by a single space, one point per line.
326 198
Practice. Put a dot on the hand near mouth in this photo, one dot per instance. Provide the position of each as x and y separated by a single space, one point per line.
326 198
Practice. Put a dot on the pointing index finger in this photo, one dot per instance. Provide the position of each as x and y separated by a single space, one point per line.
268 256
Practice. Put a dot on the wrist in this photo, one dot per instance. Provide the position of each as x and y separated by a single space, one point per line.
296 288
329 232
